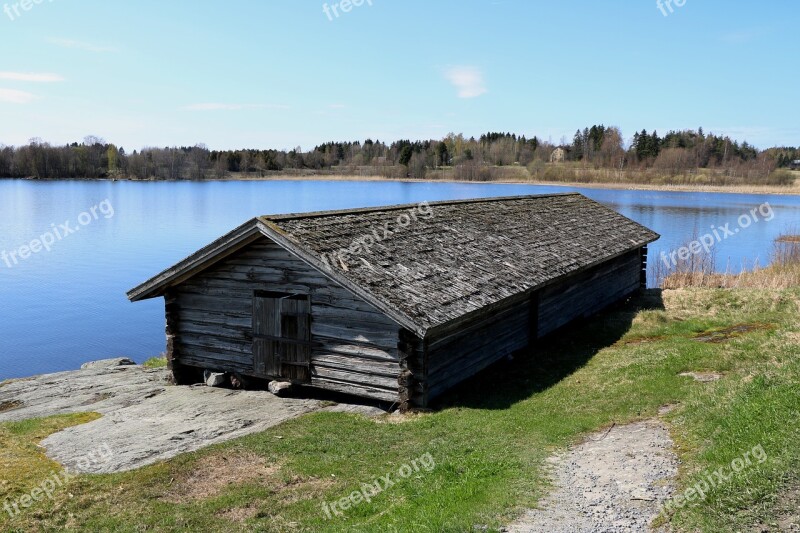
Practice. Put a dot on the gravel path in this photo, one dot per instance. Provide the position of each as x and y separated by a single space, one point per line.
145 420
615 481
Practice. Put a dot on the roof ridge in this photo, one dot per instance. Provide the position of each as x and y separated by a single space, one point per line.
395 207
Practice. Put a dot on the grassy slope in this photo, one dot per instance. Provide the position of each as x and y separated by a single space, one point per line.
491 436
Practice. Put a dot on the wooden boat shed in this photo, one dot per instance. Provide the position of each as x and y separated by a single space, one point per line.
395 303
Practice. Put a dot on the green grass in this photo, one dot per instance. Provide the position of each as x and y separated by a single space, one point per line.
22 461
155 362
490 437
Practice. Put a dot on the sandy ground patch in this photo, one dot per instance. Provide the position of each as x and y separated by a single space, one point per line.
216 472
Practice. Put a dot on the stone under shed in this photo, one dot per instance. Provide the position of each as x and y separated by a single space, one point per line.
395 303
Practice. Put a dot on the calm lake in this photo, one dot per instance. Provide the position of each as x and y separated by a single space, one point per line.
63 307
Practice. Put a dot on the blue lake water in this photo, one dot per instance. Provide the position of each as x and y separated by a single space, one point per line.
63 307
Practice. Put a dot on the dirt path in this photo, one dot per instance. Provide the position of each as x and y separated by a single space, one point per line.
615 481
145 420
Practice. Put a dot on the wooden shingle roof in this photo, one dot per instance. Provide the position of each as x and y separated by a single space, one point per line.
446 259
430 265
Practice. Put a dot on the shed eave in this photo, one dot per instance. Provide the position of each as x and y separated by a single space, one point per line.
453 323
197 262
237 239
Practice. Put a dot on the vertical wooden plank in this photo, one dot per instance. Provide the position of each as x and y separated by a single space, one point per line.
266 321
304 334
288 351
259 345
272 327
296 356
260 357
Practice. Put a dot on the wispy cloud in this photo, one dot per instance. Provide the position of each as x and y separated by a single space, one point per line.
80 45
231 107
43 77
467 80
337 106
14 96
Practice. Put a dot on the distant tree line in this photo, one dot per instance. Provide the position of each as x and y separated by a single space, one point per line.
597 147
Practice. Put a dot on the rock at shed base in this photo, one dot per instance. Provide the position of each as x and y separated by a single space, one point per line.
279 388
239 382
215 379
107 363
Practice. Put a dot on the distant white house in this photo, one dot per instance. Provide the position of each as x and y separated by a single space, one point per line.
795 164
558 155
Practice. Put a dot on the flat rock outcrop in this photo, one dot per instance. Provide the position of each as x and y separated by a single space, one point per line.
145 419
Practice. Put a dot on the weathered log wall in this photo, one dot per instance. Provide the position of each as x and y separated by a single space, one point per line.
587 293
465 352
355 346
457 355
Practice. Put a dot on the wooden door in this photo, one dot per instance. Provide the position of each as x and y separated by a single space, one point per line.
266 331
282 336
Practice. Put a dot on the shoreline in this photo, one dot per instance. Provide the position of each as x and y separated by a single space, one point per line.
789 190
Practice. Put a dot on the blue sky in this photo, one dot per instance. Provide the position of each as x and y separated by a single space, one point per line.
283 73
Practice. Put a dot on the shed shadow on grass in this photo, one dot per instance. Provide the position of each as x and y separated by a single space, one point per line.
555 357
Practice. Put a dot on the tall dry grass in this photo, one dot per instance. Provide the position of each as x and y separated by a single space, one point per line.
568 173
782 272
